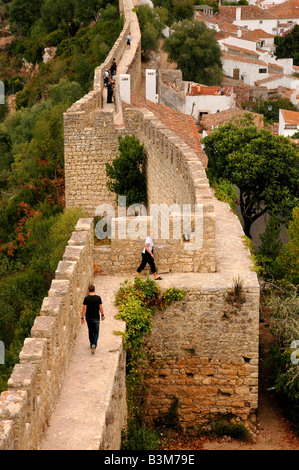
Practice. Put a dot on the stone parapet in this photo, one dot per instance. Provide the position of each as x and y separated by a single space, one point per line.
36 380
206 353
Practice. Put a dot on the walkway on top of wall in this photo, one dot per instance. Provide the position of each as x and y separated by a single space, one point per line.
78 419
126 59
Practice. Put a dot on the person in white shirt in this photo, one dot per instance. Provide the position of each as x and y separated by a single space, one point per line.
129 39
148 257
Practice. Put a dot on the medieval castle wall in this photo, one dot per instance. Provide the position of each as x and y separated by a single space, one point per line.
206 347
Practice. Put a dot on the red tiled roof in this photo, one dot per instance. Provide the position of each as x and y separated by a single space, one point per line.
180 124
248 12
241 49
237 58
208 90
288 9
290 117
256 34
274 76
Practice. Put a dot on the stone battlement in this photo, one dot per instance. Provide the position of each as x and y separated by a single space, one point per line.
36 380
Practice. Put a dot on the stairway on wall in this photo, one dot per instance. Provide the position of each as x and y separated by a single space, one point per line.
78 420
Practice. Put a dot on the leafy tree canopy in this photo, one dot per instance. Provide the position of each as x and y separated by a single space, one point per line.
23 14
126 174
264 167
288 45
269 108
177 9
194 47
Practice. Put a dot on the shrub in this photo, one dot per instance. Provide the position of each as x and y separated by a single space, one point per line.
224 426
126 174
282 372
137 303
139 437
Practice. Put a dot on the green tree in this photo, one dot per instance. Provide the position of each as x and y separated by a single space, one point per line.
288 259
269 249
183 9
23 14
58 14
177 9
126 173
264 167
288 45
269 108
89 9
195 49
151 22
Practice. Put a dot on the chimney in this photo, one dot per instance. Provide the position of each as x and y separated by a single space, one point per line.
238 13
239 32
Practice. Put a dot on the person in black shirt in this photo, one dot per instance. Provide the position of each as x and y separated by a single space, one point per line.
92 306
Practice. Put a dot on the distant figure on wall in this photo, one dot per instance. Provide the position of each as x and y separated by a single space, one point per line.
113 69
92 306
110 87
148 257
129 39
106 76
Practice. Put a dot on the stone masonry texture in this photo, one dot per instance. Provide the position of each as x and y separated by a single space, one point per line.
205 348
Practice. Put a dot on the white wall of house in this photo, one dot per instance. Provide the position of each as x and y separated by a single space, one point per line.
285 81
284 129
249 71
268 25
239 42
210 104
281 124
287 65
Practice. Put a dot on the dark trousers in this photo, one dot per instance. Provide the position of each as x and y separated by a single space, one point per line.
93 330
147 259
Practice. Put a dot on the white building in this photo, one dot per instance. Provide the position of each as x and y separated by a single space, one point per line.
275 20
288 122
269 3
201 99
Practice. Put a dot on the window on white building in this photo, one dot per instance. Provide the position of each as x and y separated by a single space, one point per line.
262 70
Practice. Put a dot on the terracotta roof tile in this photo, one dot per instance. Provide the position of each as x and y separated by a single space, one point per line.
211 120
290 117
209 90
256 34
288 9
248 12
180 124
274 76
227 56
241 49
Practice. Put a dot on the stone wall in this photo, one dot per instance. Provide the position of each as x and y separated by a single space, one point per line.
90 137
36 380
88 146
206 356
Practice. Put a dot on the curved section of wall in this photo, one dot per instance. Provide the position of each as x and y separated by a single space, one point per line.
94 99
36 380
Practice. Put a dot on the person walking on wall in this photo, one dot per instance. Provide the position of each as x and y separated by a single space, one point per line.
106 77
148 257
92 307
113 69
129 39
110 87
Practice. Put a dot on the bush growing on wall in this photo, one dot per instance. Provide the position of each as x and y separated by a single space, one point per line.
137 303
126 174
